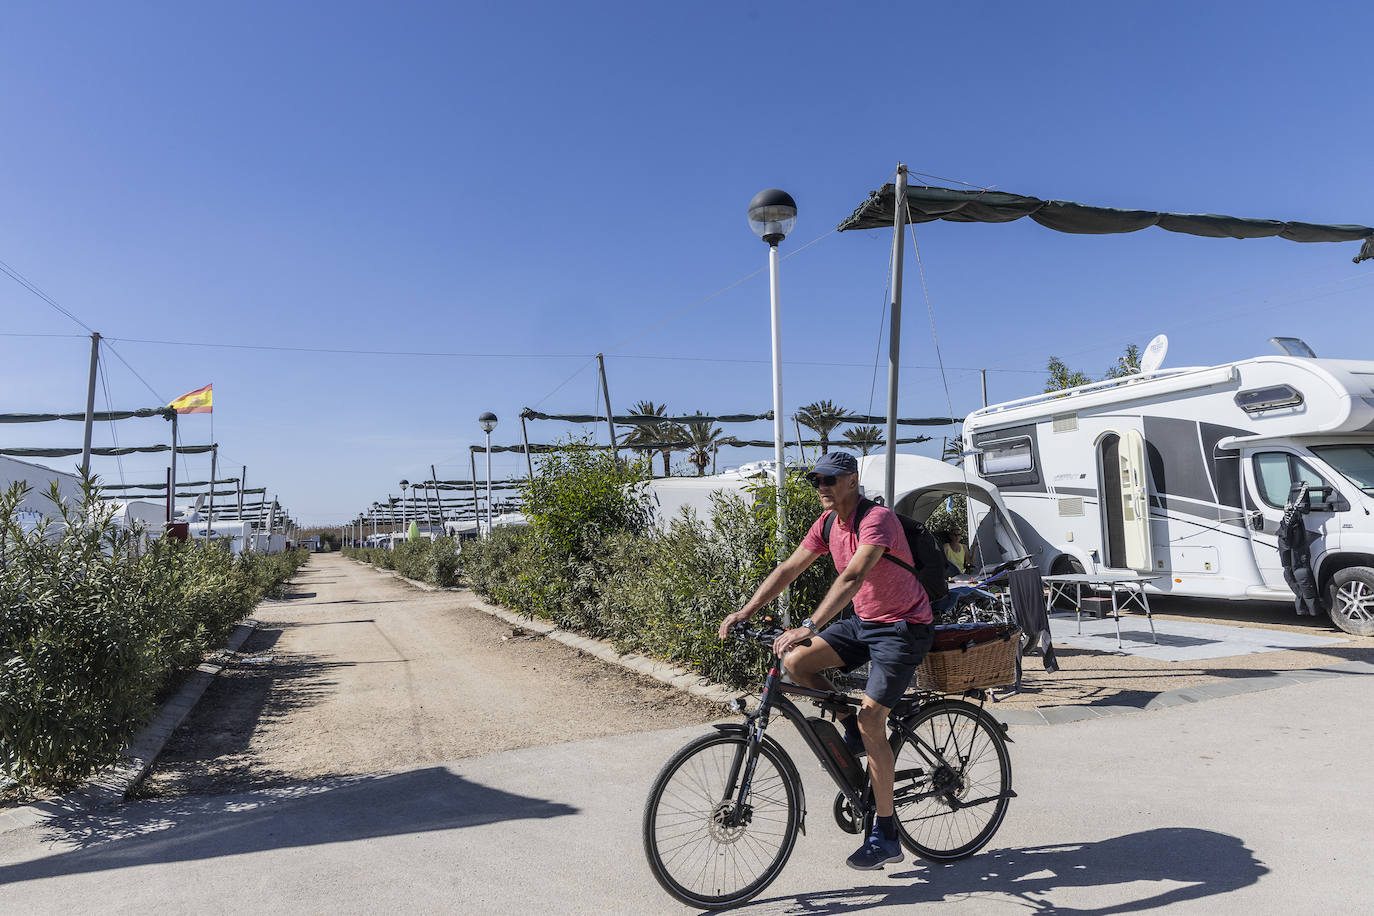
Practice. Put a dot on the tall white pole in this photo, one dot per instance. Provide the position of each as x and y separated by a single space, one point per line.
488 483
779 432
895 341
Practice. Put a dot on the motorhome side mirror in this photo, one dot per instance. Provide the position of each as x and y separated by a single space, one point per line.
1325 499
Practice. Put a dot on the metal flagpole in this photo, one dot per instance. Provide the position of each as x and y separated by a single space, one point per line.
610 423
438 498
895 340
472 454
90 406
524 434
172 485
210 518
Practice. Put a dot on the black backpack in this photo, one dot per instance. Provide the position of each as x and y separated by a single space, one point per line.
930 559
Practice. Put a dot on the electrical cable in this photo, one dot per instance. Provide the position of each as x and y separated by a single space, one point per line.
114 436
19 278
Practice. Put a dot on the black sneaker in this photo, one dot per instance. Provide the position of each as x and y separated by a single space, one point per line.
876 852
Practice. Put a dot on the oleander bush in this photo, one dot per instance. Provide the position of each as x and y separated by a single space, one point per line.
94 628
435 562
589 561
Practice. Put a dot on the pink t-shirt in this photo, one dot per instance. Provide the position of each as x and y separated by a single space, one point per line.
889 593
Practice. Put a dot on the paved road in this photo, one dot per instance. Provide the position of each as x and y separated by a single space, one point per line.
1249 804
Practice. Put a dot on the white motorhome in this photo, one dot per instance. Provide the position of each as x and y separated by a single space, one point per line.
1184 473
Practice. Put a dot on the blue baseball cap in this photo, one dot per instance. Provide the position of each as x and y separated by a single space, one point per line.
836 464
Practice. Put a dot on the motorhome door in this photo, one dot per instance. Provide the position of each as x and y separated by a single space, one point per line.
1125 506
1269 477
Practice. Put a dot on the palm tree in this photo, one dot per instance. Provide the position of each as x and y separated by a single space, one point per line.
645 434
953 450
864 438
704 436
823 417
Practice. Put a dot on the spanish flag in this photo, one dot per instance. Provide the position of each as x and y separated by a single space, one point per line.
198 401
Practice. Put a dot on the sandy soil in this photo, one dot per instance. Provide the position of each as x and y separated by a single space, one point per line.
361 673
1110 678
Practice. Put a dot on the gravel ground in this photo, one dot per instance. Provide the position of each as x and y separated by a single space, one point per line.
1109 678
361 673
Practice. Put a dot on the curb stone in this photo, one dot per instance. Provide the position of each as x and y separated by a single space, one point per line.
697 685
110 786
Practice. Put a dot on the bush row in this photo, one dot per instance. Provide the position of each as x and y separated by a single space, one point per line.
93 629
435 562
589 561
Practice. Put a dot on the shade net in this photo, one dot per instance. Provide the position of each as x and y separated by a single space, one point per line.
977 206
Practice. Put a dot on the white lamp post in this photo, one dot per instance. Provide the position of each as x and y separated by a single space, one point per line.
772 214
488 423
404 484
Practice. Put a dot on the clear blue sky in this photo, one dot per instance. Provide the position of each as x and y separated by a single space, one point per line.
545 181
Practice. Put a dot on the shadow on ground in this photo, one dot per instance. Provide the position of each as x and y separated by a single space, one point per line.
1175 865
209 752
155 832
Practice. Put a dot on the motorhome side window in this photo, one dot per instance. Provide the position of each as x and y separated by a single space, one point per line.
1005 456
1277 472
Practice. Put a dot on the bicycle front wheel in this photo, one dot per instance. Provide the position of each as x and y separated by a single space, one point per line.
953 780
703 850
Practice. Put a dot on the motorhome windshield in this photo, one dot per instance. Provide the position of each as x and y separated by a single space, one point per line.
1355 462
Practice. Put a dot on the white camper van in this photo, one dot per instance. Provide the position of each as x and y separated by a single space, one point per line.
1184 473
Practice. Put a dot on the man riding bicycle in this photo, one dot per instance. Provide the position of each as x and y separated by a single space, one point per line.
891 628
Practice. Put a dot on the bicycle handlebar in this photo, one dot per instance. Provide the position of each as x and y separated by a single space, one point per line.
765 637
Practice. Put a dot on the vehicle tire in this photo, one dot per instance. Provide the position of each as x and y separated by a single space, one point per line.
1065 565
951 789
1351 600
694 854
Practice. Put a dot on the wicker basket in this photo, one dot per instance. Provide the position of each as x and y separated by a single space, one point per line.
988 664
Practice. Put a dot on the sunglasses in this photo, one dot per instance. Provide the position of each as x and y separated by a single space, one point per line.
822 480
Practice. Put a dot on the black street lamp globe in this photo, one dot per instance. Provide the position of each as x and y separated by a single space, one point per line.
772 214
487 421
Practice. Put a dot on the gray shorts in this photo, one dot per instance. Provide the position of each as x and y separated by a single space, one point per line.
894 651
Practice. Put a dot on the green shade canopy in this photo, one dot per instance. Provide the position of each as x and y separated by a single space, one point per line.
976 206
99 416
131 450
645 420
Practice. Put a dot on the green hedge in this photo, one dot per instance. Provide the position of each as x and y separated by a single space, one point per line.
590 562
92 630
435 562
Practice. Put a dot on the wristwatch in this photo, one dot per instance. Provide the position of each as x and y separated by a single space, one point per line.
809 624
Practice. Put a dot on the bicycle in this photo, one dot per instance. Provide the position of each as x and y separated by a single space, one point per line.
724 812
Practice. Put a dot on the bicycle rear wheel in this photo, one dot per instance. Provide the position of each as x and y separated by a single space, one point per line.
699 850
953 780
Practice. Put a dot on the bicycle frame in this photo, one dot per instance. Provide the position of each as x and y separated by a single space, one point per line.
775 696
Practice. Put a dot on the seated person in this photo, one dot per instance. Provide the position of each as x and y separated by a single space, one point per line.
958 555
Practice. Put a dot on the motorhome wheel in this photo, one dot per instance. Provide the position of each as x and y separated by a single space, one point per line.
1352 600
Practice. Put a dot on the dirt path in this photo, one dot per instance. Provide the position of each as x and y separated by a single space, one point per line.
361 673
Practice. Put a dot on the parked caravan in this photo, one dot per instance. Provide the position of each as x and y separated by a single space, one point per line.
1184 474
36 504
